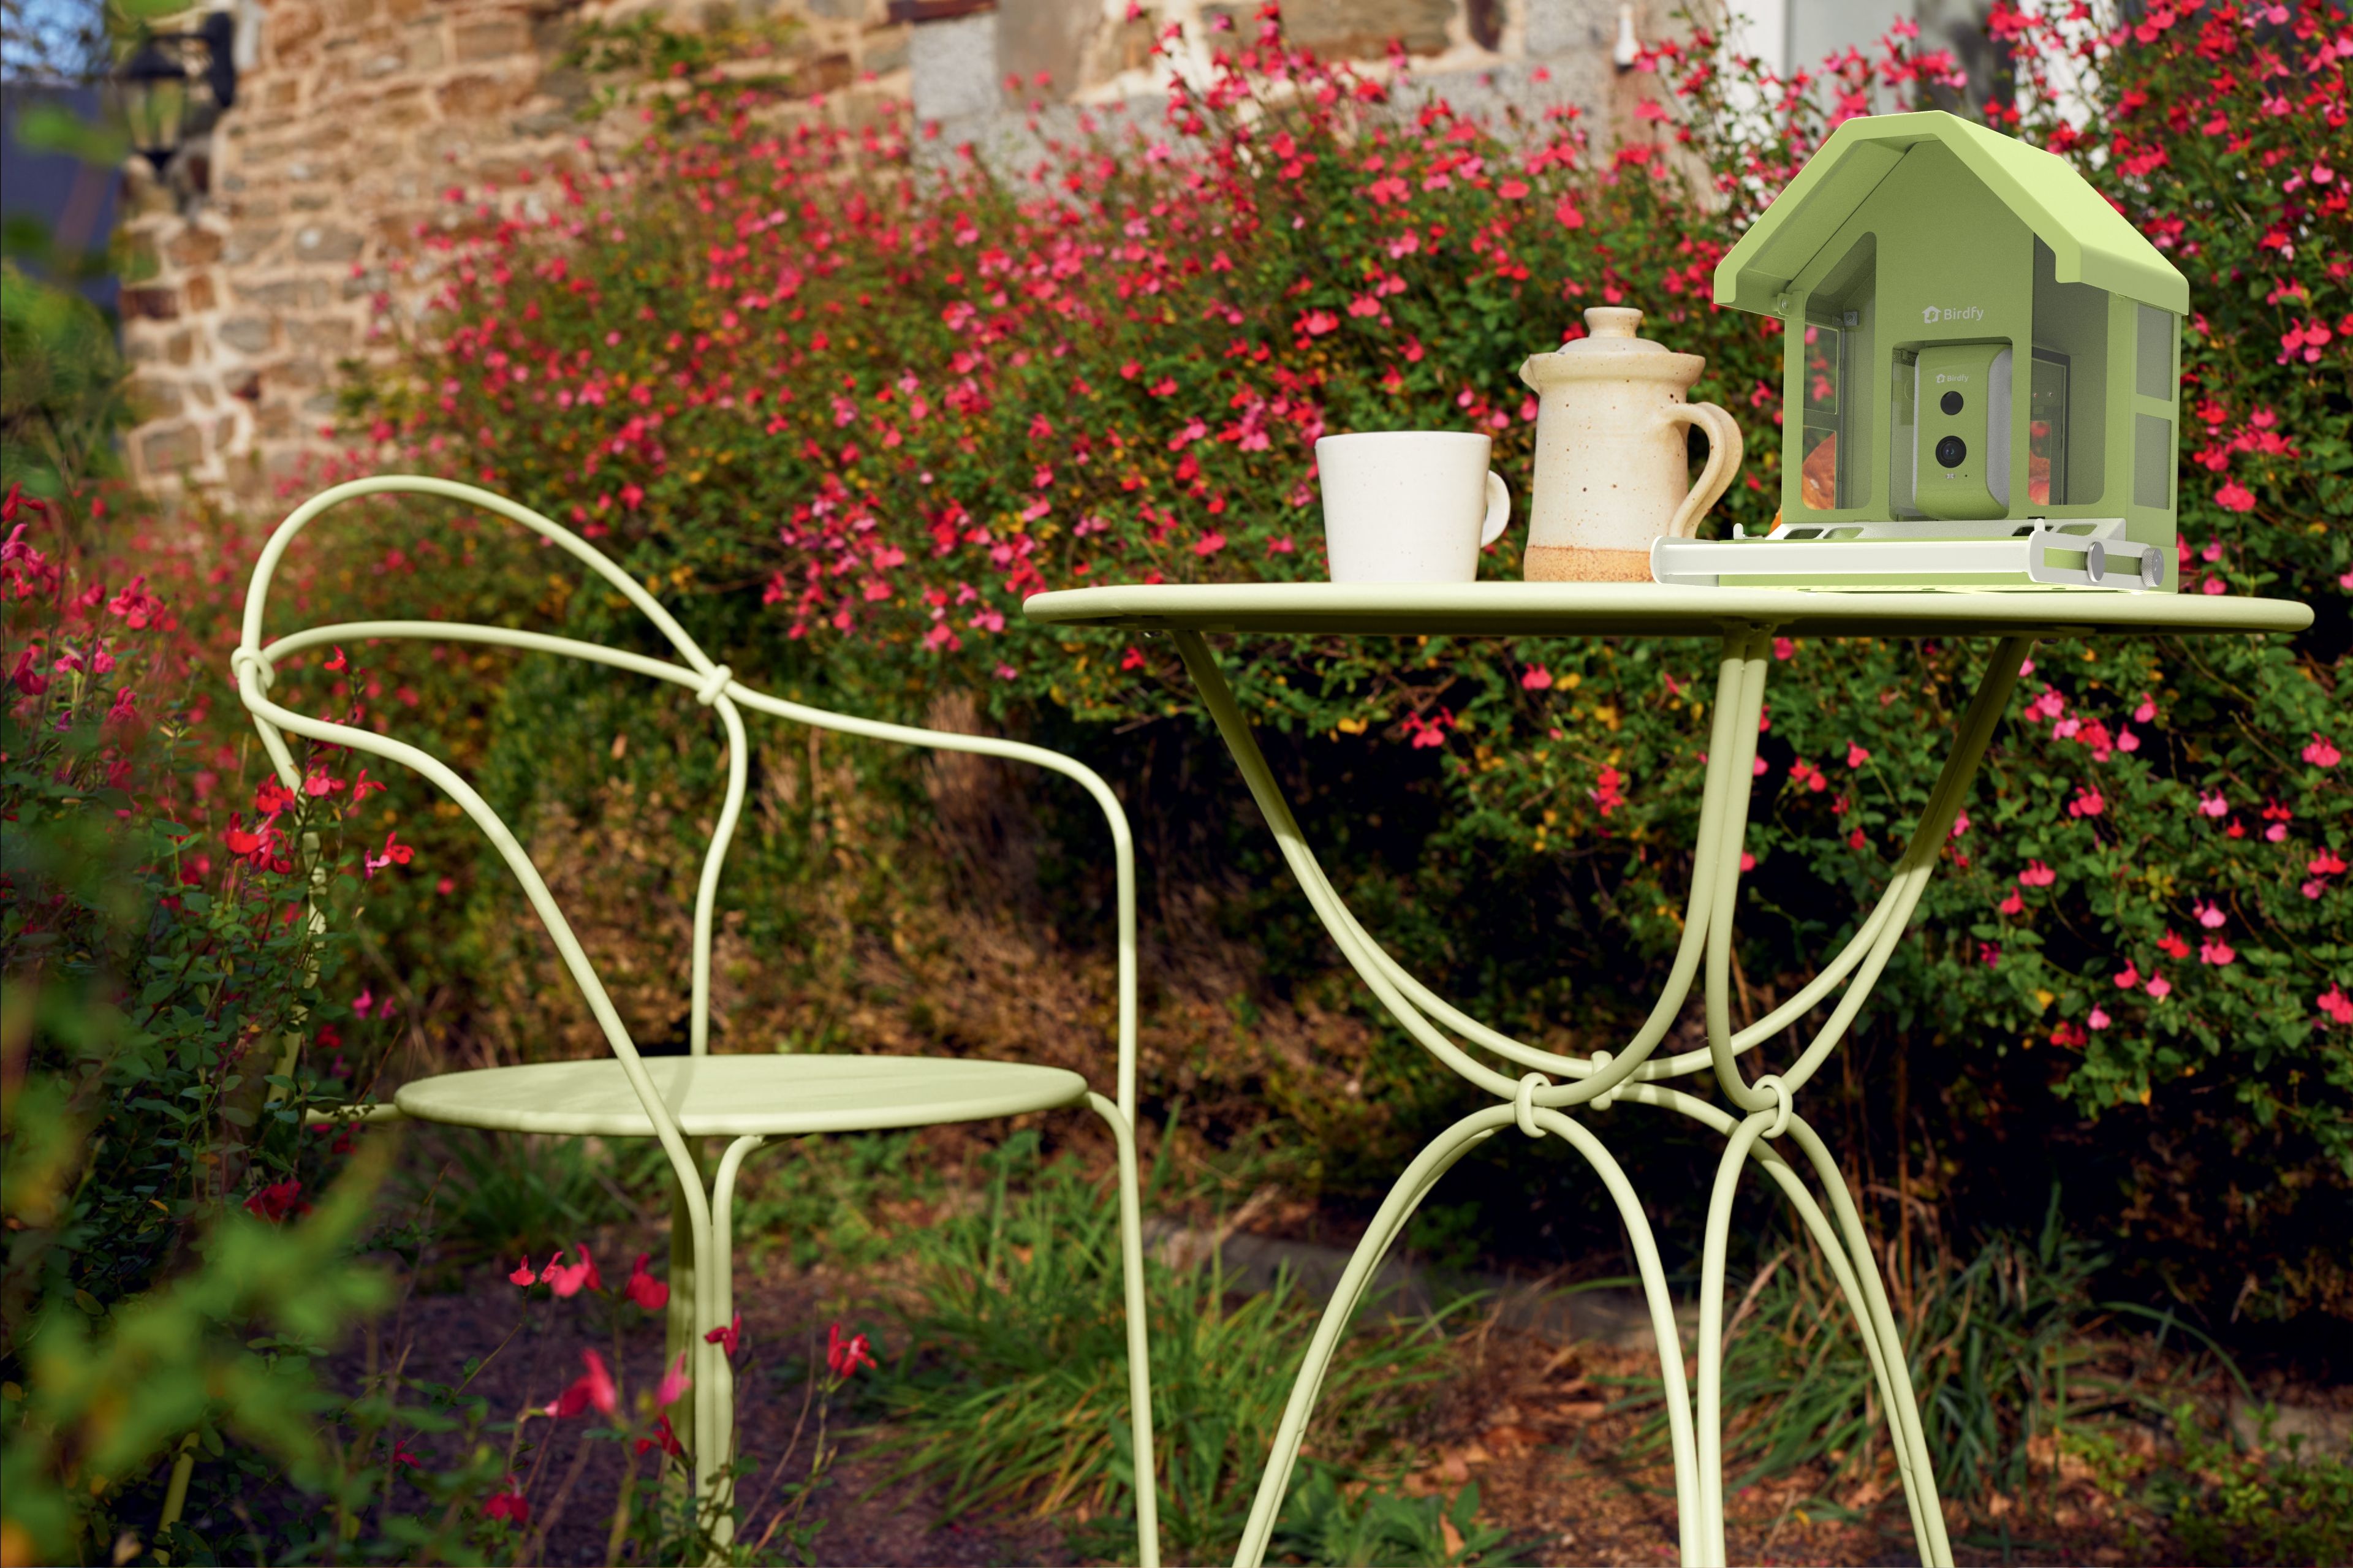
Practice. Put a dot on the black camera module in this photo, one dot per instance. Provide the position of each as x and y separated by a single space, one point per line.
1951 404
1952 451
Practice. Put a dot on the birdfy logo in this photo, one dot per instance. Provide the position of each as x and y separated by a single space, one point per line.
1930 315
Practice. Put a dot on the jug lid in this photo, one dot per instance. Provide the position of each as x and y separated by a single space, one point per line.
1610 329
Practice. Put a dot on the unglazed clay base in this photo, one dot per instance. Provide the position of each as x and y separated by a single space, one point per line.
1565 563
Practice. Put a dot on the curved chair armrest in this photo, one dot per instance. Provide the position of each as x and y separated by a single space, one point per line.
1114 815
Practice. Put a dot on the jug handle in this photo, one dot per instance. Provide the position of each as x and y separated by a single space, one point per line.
1723 453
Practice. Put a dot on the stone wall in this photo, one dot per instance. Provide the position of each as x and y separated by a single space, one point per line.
259 260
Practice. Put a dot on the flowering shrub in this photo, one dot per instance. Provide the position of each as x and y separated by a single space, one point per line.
856 413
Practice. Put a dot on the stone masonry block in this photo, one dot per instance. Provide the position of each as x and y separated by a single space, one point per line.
320 242
245 244
1363 28
333 334
247 334
954 65
193 246
201 294
491 38
476 96
170 449
156 399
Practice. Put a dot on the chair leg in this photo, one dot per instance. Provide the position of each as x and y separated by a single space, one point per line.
714 1429
681 1335
1139 1362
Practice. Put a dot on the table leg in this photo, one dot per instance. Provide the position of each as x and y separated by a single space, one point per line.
1767 1103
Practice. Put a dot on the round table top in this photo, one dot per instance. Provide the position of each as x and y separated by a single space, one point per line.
1650 609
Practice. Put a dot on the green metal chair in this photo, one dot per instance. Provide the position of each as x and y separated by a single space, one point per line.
685 1100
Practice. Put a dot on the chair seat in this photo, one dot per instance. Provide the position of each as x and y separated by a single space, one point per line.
738 1096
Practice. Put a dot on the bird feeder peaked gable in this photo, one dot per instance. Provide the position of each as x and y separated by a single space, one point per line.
1978 344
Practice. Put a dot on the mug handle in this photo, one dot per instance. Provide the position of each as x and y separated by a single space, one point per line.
1723 453
1499 508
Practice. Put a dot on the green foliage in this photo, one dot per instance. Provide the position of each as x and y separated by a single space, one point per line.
1325 1522
62 379
896 405
106 1390
1013 1388
502 1194
2232 1506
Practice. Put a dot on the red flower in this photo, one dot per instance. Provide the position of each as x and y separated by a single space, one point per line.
1536 678
592 1387
395 854
665 1437
846 1356
523 1274
275 1201
509 1504
645 1290
727 1336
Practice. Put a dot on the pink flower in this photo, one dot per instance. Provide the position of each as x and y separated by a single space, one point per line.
1536 678
2314 889
1760 768
2215 950
2234 497
2336 1005
572 1278
846 1356
509 1504
2099 1018
1855 755
2325 864
395 854
2012 905
126 705
1989 954
2130 977
2160 986
135 605
727 1336
523 1274
2210 915
674 1384
1209 545
2213 804
2037 875
2321 754
592 1387
1784 648
2147 710
2087 802
1961 822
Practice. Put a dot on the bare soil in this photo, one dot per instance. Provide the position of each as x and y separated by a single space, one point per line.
1525 1419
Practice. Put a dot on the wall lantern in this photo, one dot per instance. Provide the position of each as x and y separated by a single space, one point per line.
164 102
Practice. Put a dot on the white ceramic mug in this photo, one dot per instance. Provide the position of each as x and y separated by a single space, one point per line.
1408 506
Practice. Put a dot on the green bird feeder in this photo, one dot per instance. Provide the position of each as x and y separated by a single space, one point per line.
1980 374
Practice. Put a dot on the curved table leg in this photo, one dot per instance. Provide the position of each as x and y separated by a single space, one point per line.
1766 1105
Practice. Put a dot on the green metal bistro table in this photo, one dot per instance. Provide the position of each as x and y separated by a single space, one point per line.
1764 1110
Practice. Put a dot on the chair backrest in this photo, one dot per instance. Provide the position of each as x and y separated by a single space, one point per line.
253 666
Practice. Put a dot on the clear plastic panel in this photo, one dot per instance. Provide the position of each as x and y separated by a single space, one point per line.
2046 431
1824 377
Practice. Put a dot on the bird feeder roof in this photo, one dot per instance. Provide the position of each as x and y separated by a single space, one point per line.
2092 242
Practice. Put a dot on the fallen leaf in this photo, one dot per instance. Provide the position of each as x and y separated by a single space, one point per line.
1582 1410
1511 1436
1452 1537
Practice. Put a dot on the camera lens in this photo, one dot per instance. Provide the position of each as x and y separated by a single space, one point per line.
1950 403
1952 451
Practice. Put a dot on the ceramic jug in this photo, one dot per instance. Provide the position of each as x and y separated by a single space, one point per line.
1611 469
